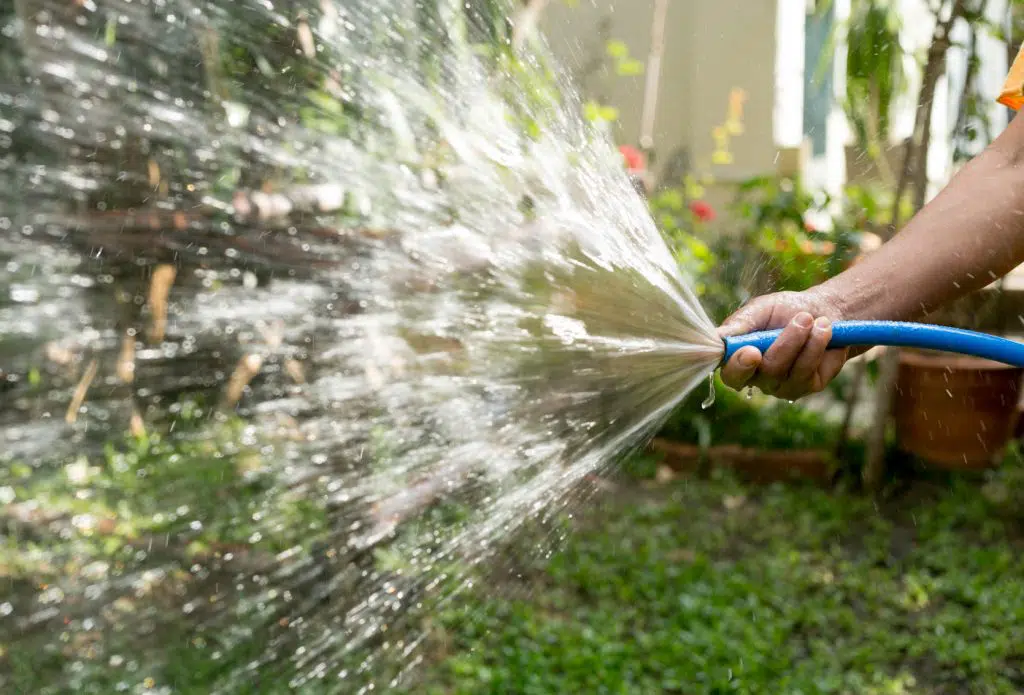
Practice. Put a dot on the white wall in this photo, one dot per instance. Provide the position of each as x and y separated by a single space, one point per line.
788 118
711 47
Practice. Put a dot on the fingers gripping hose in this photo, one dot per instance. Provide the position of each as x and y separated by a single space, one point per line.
898 334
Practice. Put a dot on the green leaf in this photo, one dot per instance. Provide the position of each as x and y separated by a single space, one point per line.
672 199
630 68
110 34
595 112
326 102
617 49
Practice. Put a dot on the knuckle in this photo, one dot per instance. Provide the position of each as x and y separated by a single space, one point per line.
775 367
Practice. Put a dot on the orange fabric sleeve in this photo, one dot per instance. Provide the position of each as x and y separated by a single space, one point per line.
1013 89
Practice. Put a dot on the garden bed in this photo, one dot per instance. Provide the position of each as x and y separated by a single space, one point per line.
752 465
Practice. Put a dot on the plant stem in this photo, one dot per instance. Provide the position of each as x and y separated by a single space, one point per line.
852 396
650 102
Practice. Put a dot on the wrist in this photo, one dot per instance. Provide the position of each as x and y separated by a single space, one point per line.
860 294
829 301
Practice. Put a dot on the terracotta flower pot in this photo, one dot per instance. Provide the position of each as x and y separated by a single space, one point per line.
955 412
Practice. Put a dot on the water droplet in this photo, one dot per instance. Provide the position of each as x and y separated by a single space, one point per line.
710 400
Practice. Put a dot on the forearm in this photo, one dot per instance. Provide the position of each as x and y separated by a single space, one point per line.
969 235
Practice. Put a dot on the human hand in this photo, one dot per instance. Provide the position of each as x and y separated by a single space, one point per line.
798 363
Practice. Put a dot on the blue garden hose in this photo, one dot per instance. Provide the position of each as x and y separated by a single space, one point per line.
897 334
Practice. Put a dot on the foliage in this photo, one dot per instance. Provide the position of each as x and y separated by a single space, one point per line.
799 255
868 207
600 114
773 244
683 229
733 126
775 247
625 64
161 485
875 74
713 588
683 216
139 519
973 129
1005 488
738 419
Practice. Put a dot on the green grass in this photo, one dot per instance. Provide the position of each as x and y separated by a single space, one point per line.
760 422
711 587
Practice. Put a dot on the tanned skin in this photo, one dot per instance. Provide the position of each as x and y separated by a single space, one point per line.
966 237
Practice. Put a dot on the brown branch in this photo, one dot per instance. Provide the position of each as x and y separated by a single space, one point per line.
650 100
852 398
915 162
245 371
915 170
159 290
80 391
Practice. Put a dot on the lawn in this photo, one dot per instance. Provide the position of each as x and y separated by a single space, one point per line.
713 587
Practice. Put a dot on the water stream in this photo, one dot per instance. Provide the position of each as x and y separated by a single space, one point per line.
305 307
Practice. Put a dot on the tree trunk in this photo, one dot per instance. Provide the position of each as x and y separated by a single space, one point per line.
915 171
852 396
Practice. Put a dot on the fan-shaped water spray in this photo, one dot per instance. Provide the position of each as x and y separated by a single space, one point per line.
304 307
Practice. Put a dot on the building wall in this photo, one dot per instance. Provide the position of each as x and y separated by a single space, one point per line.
711 47
761 47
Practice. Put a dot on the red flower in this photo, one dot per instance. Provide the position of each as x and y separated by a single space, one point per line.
703 211
634 158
